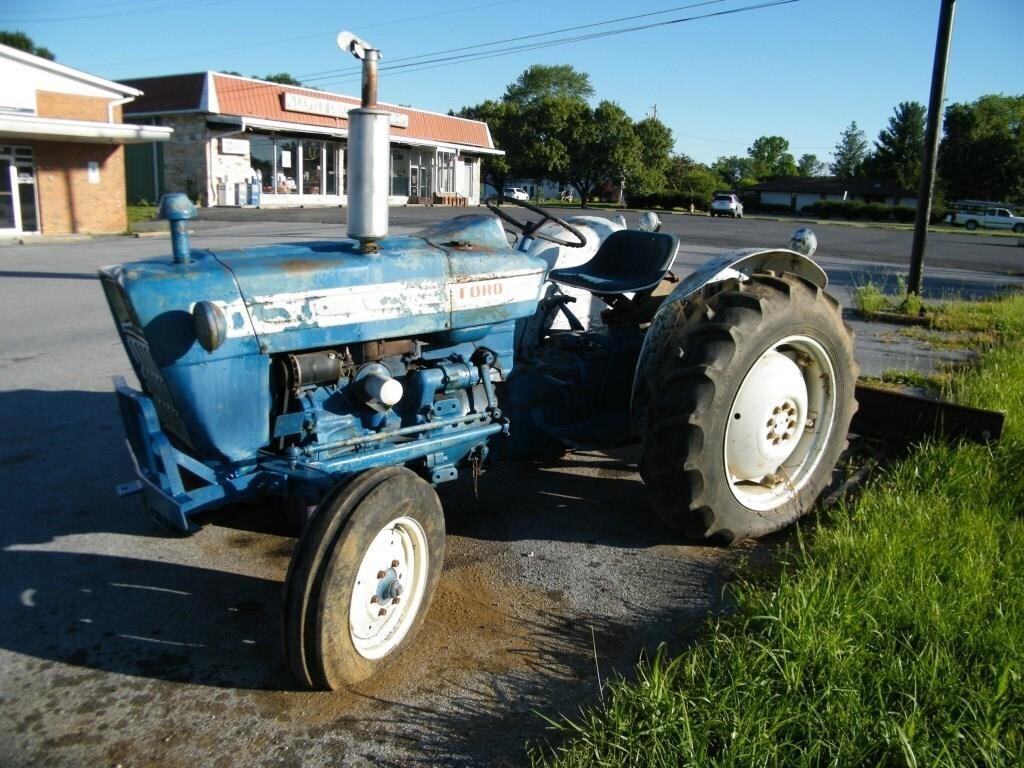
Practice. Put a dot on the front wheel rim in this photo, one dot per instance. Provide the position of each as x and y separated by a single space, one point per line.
780 423
388 589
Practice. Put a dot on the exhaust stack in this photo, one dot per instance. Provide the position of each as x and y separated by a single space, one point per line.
369 149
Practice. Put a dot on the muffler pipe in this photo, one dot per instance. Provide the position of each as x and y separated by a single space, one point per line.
369 148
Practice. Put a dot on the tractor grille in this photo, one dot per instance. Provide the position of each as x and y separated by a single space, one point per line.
153 383
145 367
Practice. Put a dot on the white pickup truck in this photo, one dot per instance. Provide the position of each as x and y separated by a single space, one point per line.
990 218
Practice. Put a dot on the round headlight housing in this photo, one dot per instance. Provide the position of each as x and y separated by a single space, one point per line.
210 325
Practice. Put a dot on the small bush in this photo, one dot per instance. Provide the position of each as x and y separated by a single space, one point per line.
876 211
854 210
666 200
904 213
773 208
869 299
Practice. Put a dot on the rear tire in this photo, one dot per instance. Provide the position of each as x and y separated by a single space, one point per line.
744 400
362 578
1018 228
971 225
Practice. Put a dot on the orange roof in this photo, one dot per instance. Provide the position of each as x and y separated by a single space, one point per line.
257 98
216 93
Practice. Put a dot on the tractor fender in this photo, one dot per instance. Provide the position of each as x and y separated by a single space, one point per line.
734 264
743 263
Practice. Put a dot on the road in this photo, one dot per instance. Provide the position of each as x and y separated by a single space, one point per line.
121 645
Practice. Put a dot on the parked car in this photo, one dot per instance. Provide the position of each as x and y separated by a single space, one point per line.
516 193
990 218
727 205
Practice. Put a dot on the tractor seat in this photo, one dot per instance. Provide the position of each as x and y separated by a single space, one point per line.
627 261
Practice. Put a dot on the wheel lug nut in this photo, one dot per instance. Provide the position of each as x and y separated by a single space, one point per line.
382 612
394 563
374 599
394 600
380 574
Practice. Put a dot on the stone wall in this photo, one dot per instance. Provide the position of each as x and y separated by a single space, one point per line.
185 167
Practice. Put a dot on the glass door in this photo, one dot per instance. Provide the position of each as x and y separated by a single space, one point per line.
8 202
25 173
312 167
331 168
414 181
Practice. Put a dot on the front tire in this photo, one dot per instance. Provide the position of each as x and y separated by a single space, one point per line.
746 400
362 578
971 225
1018 228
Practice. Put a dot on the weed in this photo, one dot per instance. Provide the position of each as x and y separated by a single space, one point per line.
869 300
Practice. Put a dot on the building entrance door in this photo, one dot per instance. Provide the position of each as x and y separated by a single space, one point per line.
17 191
419 181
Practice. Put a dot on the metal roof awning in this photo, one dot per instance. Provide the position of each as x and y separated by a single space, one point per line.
52 129
258 123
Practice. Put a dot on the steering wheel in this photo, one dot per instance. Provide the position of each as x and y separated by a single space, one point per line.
529 228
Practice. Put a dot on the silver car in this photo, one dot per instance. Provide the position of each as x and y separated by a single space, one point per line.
727 205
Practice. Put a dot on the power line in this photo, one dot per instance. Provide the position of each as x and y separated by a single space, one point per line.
314 36
471 57
312 76
127 8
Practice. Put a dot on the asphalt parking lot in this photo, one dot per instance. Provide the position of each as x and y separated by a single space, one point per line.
123 645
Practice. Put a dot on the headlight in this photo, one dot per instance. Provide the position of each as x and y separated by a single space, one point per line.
210 325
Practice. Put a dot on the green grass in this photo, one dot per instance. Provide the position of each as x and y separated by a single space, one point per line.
891 634
137 213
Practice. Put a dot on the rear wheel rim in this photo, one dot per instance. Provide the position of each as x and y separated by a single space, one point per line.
780 423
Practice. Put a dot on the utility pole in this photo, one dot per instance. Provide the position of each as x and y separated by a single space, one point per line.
931 145
654 111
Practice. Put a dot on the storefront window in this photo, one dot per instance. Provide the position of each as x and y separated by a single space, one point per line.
298 167
286 180
332 184
312 167
261 156
399 173
445 171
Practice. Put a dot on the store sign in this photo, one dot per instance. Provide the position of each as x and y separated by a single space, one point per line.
311 105
234 146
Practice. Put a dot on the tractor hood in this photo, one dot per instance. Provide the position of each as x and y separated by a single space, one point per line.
459 274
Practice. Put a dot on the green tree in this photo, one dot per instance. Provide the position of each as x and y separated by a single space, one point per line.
982 153
810 165
602 148
735 171
540 81
899 148
23 42
849 154
547 129
655 147
769 156
281 77
694 179
495 168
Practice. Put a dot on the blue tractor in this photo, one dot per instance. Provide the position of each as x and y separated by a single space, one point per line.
351 377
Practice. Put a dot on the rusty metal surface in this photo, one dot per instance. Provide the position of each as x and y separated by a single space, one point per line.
907 418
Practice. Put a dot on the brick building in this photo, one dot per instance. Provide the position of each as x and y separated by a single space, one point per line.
61 147
240 141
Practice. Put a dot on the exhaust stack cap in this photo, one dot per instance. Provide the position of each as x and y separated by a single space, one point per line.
178 209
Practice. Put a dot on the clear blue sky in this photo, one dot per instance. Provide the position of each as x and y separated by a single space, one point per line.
802 70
